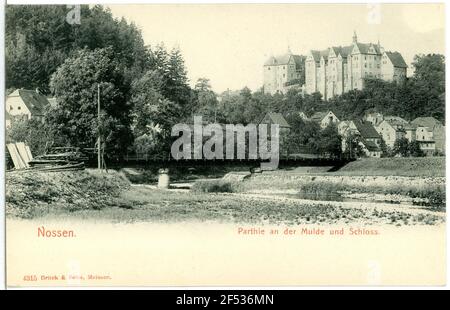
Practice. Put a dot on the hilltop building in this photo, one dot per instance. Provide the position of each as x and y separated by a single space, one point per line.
283 72
337 70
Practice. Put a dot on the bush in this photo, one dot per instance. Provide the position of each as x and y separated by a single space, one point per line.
214 186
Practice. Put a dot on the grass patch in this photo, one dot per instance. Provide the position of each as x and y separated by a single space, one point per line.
33 194
214 186
397 166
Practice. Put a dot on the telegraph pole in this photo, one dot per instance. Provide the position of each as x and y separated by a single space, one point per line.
99 155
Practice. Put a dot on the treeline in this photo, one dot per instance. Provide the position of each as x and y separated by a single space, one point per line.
144 90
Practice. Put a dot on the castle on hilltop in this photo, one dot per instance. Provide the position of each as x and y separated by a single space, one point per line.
335 70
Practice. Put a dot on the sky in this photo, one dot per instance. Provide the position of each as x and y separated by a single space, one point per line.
229 43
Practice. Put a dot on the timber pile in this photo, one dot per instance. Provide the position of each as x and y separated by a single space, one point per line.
57 159
60 159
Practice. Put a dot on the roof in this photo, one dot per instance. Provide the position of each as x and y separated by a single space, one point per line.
366 129
395 120
343 51
299 60
276 118
318 116
428 121
284 59
364 47
371 146
397 59
317 55
34 101
410 126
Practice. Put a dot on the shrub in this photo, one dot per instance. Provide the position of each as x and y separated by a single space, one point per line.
214 186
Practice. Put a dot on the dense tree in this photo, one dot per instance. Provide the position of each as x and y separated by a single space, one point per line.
38 39
414 149
330 142
303 134
75 85
207 104
36 134
401 147
353 147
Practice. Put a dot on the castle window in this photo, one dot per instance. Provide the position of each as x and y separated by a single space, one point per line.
18 108
10 107
268 68
284 67
284 75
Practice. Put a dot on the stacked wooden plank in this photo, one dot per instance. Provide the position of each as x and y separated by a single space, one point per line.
20 154
58 159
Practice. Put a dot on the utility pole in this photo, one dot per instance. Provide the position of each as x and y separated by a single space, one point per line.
99 155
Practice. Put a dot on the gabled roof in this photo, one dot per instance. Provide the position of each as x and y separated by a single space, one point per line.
366 129
284 59
364 47
299 60
397 59
371 146
410 127
318 54
428 121
395 120
34 101
276 118
343 51
319 116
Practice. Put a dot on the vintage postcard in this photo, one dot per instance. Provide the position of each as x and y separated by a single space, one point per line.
225 145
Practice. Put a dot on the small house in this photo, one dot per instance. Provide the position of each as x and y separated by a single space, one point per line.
325 118
26 104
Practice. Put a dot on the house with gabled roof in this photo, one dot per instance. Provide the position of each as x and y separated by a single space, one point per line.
391 129
324 118
370 139
276 118
393 67
430 133
26 104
